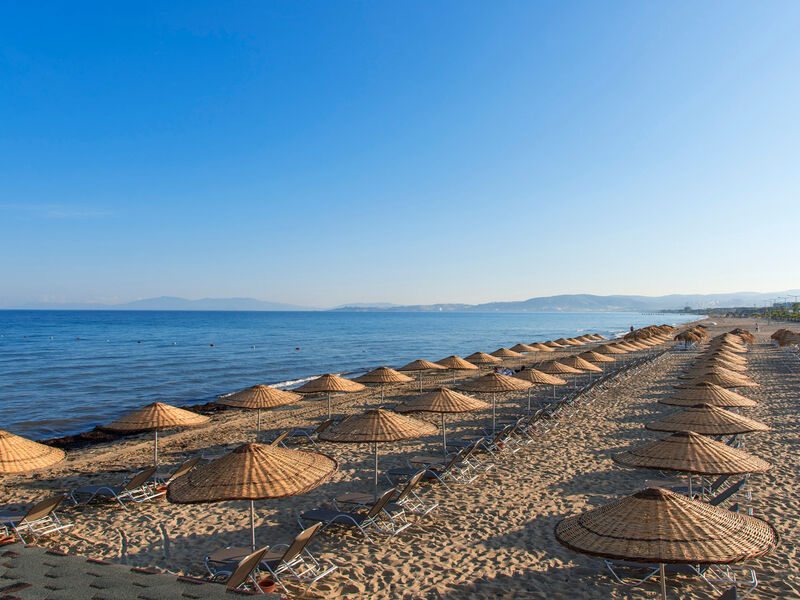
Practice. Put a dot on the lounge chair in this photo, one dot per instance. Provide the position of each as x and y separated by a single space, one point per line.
406 501
456 469
138 489
41 519
237 575
283 561
311 433
278 441
370 520
182 469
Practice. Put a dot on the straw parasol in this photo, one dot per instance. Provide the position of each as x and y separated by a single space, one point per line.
523 348
575 342
595 357
535 376
157 417
492 384
554 367
626 346
420 366
566 342
541 347
481 358
691 453
553 344
610 349
443 400
506 353
708 393
598 337
330 383
456 363
253 472
708 420
376 426
576 362
702 364
20 455
258 397
721 379
383 375
697 371
656 526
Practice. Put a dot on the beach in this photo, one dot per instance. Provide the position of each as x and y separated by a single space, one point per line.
491 539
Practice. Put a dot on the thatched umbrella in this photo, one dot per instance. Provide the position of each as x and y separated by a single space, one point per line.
376 426
598 337
610 349
541 347
383 375
691 453
420 366
443 401
553 344
330 383
456 363
492 384
575 342
703 364
258 398
523 348
566 342
576 362
535 376
554 367
481 358
253 472
157 417
694 373
626 346
595 357
506 354
708 393
721 379
20 455
708 420
656 526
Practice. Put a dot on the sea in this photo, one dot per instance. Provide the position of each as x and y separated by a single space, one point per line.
64 372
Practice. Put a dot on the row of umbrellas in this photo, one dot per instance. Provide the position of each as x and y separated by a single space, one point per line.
657 526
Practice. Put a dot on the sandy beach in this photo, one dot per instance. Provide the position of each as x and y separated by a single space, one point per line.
491 539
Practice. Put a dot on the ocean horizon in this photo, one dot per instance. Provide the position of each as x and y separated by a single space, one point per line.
64 372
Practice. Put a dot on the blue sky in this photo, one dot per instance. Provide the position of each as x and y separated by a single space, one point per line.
328 152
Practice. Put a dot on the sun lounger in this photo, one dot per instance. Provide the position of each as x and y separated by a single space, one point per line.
283 561
239 575
182 469
370 520
406 500
278 441
138 489
311 433
41 519
456 469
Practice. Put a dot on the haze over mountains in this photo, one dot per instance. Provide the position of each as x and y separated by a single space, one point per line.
560 303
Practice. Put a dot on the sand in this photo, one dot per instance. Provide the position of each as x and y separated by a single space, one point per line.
492 539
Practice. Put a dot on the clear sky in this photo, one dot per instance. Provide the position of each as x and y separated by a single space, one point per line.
412 152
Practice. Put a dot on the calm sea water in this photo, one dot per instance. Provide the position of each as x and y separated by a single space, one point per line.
63 372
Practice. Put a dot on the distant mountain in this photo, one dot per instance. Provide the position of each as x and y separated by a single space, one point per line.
170 303
592 303
562 303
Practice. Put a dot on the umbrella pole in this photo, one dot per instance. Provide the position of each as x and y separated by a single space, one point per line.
663 582
155 450
252 527
690 485
454 376
375 482
381 393
494 411
258 423
329 405
444 438
529 399
420 382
